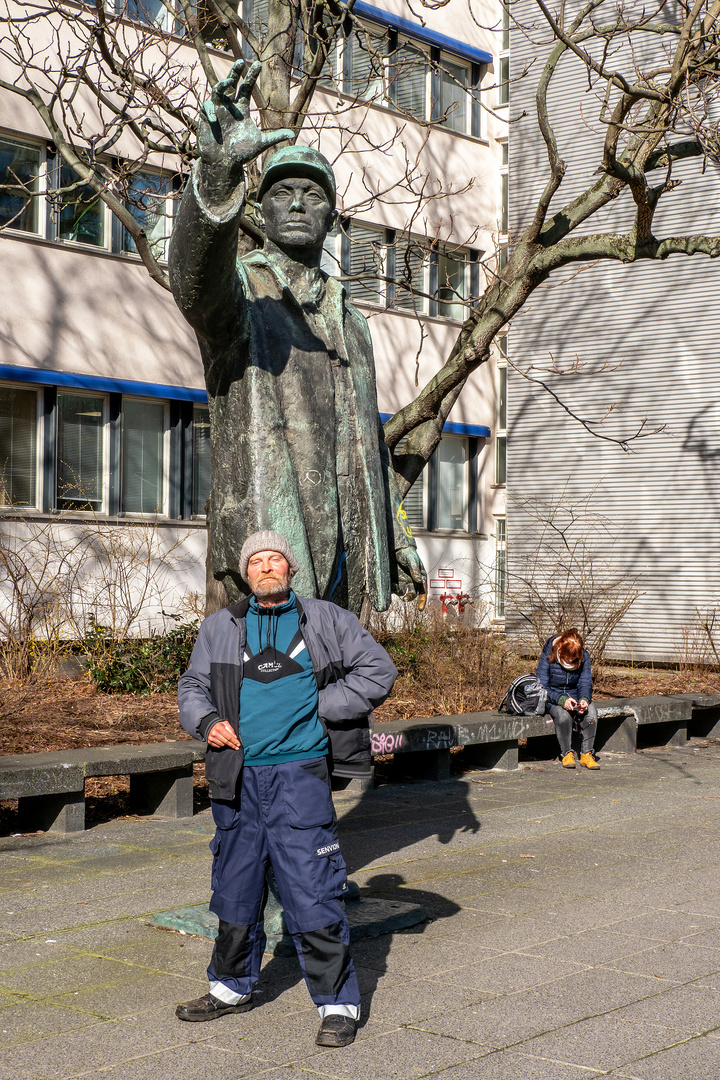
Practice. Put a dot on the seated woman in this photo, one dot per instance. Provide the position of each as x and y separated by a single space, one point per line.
564 671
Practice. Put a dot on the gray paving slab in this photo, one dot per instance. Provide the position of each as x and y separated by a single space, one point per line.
507 1065
690 1008
696 1058
29 1020
574 931
604 1043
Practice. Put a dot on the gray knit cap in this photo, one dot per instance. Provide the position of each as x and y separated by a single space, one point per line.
266 540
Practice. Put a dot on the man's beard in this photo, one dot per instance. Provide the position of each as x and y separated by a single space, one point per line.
274 590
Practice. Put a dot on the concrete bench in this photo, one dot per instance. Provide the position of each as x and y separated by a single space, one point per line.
422 745
50 787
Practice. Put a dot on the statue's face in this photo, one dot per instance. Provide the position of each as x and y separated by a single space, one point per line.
297 213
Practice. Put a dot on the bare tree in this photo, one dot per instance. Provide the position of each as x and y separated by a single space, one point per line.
116 92
561 580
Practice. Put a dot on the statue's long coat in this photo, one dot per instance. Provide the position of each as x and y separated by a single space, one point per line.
296 440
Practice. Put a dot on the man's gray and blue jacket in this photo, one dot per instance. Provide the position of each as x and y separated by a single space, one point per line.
353 673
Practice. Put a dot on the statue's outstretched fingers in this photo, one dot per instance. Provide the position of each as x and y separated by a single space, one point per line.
245 88
228 86
272 138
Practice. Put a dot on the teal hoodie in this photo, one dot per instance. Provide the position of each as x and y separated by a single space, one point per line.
278 695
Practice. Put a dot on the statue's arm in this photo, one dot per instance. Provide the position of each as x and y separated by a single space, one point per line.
202 257
203 251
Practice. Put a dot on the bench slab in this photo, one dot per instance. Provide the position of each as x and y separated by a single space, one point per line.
50 786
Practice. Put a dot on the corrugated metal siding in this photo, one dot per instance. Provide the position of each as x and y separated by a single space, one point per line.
661 324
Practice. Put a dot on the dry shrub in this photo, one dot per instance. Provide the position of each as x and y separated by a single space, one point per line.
446 666
699 650
565 569
63 578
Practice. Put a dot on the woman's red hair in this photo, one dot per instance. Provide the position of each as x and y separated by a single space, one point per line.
569 647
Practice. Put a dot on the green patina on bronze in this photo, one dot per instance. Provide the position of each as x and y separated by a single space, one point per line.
296 439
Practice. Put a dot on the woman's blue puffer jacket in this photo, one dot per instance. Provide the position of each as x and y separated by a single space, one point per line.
559 682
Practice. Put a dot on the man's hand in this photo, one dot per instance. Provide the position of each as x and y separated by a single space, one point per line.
221 735
570 704
582 706
408 560
227 135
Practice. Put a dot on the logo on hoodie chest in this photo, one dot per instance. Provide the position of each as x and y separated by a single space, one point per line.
271 664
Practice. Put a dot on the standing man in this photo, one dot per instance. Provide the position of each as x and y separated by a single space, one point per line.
296 439
277 685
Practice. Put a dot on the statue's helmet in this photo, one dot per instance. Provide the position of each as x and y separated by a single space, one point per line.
298 161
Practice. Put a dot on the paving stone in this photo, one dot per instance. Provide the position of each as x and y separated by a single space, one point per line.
196 1061
603 1043
84 1051
677 962
696 1058
59 976
599 946
31 1020
404 1053
511 971
690 1008
396 1001
508 1065
123 998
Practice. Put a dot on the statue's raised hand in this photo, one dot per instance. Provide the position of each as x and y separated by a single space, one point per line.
228 137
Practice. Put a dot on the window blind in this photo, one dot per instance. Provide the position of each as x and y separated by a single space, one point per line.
366 267
409 89
18 447
143 427
79 452
201 459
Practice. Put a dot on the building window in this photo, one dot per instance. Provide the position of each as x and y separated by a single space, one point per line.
20 165
504 189
453 285
409 78
143 456
147 201
451 497
201 459
365 263
370 63
403 272
500 568
504 81
40 194
365 64
442 496
18 447
501 415
410 261
80 452
78 213
453 103
151 12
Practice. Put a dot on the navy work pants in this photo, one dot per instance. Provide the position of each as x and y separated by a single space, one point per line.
284 817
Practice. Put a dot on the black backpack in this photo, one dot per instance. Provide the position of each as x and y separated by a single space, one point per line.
526 697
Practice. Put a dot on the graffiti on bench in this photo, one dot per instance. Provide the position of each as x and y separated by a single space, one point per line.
383 743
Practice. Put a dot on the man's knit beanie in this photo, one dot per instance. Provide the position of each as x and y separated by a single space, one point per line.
266 540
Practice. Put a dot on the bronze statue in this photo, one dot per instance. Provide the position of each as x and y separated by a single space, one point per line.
296 439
